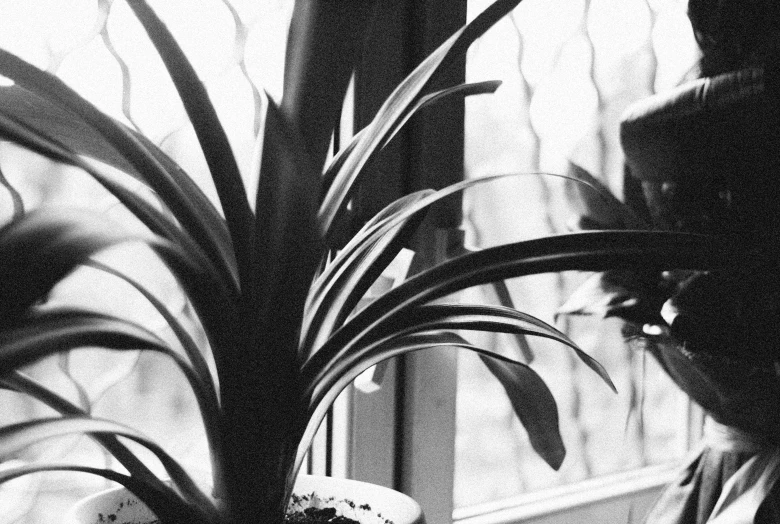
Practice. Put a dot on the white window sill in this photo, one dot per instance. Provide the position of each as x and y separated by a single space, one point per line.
624 497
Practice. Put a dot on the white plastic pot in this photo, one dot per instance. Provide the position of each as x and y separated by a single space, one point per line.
119 506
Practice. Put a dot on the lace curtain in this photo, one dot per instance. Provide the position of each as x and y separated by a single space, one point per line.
569 69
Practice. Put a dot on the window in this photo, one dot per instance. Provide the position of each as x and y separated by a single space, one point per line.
568 71
439 426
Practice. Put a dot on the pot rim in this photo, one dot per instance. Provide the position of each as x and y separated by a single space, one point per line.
385 504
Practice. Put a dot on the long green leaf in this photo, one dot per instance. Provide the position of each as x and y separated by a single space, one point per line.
189 345
209 405
398 104
383 223
362 240
354 252
164 502
43 142
209 131
218 312
288 243
40 248
347 279
18 381
16 437
401 210
529 395
376 353
324 43
461 91
388 219
434 317
477 88
535 407
595 251
51 332
175 189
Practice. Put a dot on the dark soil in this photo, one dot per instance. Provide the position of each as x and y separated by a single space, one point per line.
318 516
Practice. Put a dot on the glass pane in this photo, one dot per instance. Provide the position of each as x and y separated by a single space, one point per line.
569 69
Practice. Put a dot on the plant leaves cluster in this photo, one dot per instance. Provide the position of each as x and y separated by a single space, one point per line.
275 296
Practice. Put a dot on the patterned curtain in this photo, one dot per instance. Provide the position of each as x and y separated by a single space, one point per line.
569 69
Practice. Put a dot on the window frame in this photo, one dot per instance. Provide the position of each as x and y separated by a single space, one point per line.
403 435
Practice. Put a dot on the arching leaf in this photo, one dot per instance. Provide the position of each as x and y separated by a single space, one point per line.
397 105
42 142
347 279
178 191
530 397
51 332
15 437
17 381
164 502
583 251
209 131
320 373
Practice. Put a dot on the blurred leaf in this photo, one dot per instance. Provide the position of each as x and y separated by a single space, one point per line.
107 139
324 43
15 437
222 260
22 383
595 204
50 332
40 248
163 501
383 223
62 125
14 195
633 295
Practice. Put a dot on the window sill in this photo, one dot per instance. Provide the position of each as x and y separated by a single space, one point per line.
624 497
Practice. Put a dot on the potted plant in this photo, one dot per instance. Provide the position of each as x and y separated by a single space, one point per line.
275 289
